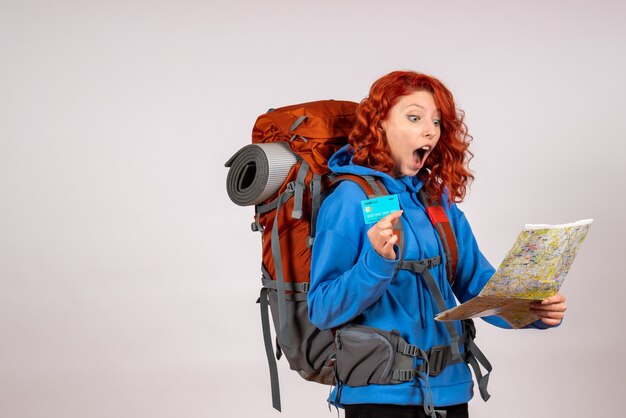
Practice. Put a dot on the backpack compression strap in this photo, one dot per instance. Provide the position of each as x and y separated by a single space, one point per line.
294 189
281 289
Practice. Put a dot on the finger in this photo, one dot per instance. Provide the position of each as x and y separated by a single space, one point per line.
388 248
395 220
388 241
391 218
558 298
550 314
389 221
378 228
558 307
382 225
391 241
547 312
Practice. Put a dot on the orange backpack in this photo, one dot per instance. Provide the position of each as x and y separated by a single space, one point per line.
313 132
284 174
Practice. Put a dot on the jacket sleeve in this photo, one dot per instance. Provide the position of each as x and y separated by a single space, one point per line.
347 274
473 270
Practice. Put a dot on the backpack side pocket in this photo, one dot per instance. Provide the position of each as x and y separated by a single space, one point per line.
365 355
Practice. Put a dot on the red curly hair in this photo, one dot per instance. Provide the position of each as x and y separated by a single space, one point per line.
447 165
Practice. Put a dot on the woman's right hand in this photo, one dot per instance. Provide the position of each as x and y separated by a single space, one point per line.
381 235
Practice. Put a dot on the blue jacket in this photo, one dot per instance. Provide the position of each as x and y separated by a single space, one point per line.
351 282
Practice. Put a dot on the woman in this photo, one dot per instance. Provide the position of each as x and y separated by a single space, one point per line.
410 135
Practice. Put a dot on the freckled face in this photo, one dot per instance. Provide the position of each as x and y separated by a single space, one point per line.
412 128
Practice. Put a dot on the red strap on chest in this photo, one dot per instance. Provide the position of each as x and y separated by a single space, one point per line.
437 214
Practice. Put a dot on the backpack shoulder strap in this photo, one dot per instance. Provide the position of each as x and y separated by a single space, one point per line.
373 187
440 221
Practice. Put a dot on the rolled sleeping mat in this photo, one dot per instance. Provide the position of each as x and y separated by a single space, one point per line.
257 171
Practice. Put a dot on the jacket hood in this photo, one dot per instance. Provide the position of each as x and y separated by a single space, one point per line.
341 163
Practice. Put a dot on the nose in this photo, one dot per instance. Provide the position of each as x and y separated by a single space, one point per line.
430 130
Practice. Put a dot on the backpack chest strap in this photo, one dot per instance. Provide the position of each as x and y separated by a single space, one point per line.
418 266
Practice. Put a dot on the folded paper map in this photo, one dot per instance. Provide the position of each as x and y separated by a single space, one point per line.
533 270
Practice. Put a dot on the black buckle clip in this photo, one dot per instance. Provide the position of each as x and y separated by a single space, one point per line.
429 263
405 375
437 359
469 328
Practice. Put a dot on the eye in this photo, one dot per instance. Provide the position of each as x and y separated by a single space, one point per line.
413 118
437 123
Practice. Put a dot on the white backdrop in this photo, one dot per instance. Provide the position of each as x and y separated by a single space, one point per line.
128 278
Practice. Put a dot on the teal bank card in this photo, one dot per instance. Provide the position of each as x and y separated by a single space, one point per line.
376 209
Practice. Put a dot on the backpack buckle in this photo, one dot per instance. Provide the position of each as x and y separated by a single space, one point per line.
410 350
256 225
437 360
403 375
469 328
432 262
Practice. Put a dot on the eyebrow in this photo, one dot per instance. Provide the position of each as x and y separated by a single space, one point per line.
423 108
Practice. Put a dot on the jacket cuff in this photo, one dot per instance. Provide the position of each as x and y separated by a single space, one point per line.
379 265
538 324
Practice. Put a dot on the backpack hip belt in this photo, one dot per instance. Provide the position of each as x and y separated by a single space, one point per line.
366 355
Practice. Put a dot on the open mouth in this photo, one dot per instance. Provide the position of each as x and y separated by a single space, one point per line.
421 153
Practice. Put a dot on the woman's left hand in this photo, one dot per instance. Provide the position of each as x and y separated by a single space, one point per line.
551 310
